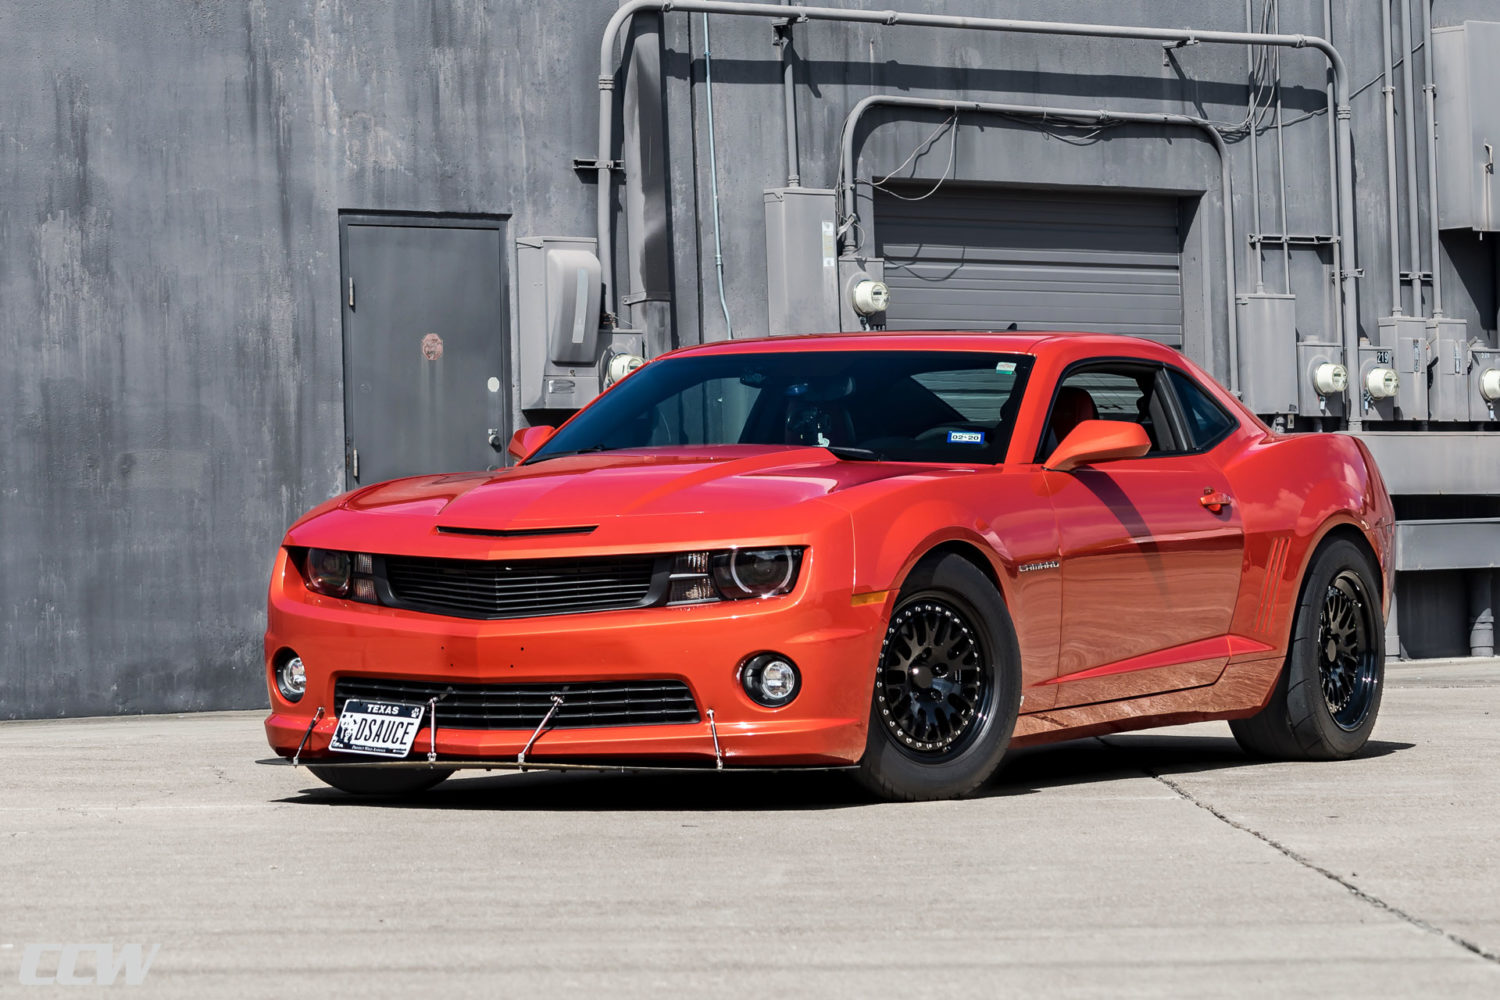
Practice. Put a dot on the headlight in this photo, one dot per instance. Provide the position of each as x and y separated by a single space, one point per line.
734 575
340 574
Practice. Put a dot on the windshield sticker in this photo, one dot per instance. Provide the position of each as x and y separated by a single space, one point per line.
966 437
1006 367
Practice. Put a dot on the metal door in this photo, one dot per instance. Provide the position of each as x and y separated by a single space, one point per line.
425 382
983 258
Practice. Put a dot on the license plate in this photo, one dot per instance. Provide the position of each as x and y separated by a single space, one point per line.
381 728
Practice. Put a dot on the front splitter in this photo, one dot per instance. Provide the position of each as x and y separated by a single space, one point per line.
511 765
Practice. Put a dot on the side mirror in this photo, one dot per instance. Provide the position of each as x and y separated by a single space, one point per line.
525 442
1098 441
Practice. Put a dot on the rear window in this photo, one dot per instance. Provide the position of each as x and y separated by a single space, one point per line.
1207 421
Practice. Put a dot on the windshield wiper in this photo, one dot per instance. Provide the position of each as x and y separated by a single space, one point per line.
854 454
564 454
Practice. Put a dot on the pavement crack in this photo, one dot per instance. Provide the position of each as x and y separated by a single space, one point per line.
1354 890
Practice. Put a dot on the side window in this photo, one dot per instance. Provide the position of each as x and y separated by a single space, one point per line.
1207 421
1126 392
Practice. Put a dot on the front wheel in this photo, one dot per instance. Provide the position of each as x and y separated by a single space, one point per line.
1328 695
947 687
379 780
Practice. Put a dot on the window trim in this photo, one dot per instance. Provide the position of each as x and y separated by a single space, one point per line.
1165 389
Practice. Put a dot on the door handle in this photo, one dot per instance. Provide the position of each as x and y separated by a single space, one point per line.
1215 500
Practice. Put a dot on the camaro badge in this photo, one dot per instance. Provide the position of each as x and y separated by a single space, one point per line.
1033 567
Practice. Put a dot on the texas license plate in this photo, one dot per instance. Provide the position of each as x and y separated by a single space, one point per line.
381 728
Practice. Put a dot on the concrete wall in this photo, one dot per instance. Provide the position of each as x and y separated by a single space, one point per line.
170 180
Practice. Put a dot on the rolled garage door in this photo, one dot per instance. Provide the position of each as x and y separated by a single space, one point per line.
983 258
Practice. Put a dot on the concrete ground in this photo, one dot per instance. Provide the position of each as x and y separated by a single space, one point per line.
1151 864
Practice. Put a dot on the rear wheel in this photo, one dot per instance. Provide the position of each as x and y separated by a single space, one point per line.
1328 695
379 780
947 687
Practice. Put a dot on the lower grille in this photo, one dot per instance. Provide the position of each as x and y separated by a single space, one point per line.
588 705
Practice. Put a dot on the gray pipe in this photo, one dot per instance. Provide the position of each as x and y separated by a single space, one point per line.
1413 225
1433 246
1081 117
1260 267
1341 211
1392 206
1286 245
1338 105
789 104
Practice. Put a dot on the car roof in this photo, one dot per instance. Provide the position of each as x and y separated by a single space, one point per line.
1079 343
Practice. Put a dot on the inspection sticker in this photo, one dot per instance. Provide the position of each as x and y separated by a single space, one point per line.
966 437
383 728
1005 367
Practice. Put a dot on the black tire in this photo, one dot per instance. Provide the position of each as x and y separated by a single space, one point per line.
949 733
387 781
1328 694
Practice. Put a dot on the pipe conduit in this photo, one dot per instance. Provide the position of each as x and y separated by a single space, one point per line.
1338 106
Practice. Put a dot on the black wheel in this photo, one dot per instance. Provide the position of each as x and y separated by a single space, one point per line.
1328 695
379 780
947 687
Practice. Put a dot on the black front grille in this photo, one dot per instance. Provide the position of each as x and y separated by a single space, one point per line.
472 588
586 705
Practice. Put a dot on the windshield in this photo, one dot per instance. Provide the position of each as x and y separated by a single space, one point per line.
915 406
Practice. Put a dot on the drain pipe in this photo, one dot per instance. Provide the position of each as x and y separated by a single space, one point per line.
1433 245
789 100
1069 116
1413 225
1338 100
1260 267
1392 206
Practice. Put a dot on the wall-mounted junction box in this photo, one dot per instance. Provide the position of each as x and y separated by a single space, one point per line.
557 305
1406 339
1448 396
1467 75
1267 326
802 290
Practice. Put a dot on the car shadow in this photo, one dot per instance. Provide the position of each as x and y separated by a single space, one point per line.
1025 772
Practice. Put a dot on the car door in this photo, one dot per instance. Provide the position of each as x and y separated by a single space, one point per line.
1150 548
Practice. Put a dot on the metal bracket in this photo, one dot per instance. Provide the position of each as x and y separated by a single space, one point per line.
557 701
1358 272
317 717
432 724
718 753
590 164
1167 48
1425 276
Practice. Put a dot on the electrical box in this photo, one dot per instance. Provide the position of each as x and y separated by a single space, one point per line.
557 305
1467 76
802 291
1311 358
1267 327
1376 383
1406 338
1448 396
852 272
1484 384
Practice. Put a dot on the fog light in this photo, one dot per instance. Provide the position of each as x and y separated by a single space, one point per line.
770 679
291 679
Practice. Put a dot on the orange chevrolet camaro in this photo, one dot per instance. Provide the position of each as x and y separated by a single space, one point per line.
895 553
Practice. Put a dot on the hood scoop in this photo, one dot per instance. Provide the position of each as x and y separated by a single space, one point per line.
581 529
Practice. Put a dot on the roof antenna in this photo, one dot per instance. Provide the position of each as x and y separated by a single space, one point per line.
1013 326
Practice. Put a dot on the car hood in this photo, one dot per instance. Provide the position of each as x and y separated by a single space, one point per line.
585 489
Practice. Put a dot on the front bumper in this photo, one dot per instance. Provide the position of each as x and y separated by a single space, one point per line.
834 642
